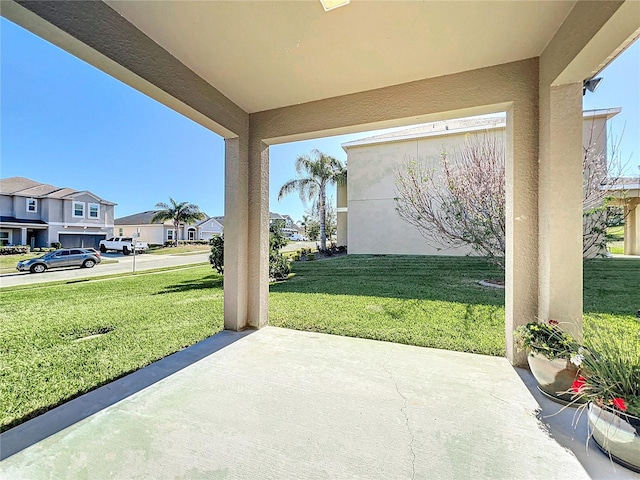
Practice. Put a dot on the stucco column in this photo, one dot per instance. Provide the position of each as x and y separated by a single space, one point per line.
631 226
236 233
560 207
23 236
258 216
521 170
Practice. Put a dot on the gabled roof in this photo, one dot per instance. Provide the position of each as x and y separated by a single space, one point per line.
219 219
25 187
144 218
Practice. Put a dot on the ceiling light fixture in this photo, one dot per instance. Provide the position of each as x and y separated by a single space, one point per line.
331 4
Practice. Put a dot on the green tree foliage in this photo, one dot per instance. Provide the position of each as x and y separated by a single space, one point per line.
279 268
315 173
217 253
179 213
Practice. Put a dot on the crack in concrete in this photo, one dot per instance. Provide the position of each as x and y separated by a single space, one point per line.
406 417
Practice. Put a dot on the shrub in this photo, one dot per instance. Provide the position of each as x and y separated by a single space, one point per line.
311 256
216 259
56 245
15 250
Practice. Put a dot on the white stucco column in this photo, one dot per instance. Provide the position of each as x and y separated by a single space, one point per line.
560 207
631 227
236 233
23 236
258 238
521 275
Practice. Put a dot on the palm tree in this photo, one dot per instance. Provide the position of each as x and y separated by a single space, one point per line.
315 172
183 212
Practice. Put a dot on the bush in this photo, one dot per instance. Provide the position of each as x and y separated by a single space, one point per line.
56 245
311 256
193 242
15 250
216 259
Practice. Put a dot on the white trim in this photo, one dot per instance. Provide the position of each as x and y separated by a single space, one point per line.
342 210
89 205
73 224
73 208
173 234
9 237
35 205
82 232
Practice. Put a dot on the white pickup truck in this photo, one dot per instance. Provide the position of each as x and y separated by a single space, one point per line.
122 244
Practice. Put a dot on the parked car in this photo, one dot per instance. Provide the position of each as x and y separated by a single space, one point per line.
122 244
66 257
296 237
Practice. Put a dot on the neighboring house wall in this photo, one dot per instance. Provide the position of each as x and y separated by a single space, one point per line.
369 224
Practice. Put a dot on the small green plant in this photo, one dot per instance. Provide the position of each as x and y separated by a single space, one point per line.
547 339
311 256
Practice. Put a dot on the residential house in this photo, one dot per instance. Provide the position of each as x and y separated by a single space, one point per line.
626 194
158 233
367 220
38 214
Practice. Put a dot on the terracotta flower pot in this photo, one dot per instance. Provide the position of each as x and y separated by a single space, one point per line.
553 376
617 434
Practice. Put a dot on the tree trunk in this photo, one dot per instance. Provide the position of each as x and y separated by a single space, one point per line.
323 219
176 236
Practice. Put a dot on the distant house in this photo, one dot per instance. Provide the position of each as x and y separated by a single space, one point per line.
38 214
159 233
367 219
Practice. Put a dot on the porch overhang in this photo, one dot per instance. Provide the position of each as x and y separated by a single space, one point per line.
262 73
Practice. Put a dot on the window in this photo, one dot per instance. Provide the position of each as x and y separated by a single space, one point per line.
94 210
5 237
32 205
120 232
78 209
169 235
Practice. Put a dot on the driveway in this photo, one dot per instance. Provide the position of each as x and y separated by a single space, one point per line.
124 265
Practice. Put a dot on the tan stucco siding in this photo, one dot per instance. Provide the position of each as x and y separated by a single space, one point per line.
373 224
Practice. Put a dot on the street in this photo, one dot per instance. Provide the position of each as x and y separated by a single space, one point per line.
124 265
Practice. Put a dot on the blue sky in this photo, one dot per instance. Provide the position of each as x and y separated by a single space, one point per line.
66 123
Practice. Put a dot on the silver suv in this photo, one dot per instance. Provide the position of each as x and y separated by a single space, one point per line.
73 257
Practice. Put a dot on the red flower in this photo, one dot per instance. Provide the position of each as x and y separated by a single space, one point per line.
578 384
553 322
619 403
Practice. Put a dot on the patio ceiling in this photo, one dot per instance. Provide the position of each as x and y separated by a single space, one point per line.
266 55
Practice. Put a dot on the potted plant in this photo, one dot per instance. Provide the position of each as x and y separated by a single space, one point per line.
609 381
550 350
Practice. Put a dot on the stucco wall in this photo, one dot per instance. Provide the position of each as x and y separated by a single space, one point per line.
374 227
372 223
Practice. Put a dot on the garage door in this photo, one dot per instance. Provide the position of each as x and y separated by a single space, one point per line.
71 240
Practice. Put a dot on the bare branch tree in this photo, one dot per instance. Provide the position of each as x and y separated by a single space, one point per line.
465 204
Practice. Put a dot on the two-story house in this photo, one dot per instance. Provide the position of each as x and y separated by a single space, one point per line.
38 214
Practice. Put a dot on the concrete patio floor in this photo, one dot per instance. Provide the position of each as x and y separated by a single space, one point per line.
283 404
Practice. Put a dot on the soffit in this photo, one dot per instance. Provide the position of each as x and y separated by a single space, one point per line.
269 54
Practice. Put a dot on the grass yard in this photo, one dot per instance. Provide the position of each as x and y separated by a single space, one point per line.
46 357
44 362
426 301
180 250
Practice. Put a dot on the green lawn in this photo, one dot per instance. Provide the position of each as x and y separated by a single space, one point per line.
42 361
180 250
429 301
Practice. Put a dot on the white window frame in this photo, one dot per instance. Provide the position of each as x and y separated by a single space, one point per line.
120 231
73 209
9 236
97 205
170 234
35 205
